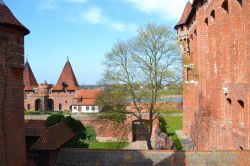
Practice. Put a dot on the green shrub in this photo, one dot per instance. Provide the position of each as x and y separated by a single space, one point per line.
90 134
54 119
78 141
108 145
169 125
80 136
113 116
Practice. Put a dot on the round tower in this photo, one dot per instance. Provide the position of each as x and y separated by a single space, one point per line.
12 139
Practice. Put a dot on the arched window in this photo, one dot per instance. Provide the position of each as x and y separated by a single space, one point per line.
224 6
212 15
28 106
228 113
50 104
60 107
206 21
38 105
229 101
240 2
240 112
195 32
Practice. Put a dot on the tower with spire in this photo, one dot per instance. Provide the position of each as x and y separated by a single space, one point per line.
12 140
67 80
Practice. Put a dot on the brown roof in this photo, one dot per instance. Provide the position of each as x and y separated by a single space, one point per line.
185 14
29 79
7 18
50 138
67 78
87 96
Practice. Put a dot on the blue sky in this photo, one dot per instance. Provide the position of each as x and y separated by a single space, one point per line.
84 30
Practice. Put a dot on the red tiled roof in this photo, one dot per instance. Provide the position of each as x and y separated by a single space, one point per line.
50 138
68 78
185 14
7 18
88 96
29 79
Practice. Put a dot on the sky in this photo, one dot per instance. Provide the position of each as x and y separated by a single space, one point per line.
84 31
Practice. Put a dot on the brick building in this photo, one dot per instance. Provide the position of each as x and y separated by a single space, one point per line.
12 142
46 97
214 37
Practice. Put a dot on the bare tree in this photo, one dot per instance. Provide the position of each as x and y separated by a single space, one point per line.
142 66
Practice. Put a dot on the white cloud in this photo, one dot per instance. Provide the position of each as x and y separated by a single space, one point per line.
168 9
118 26
94 15
49 5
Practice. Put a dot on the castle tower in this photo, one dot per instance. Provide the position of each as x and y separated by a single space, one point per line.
67 80
63 93
29 79
12 140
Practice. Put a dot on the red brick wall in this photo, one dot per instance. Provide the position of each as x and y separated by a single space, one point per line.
12 143
220 54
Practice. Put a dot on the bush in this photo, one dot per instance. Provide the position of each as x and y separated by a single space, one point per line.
90 134
54 119
78 141
113 116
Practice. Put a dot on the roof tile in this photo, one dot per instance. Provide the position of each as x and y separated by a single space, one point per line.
50 138
185 14
29 79
67 78
7 18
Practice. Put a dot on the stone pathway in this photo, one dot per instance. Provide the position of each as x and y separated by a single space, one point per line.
186 142
138 145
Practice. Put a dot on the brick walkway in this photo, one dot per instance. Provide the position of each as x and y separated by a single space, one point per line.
138 145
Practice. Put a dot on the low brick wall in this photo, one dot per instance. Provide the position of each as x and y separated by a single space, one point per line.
81 157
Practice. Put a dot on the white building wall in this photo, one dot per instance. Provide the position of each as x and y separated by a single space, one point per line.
83 109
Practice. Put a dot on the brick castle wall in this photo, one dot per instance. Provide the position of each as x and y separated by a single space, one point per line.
12 140
79 157
216 104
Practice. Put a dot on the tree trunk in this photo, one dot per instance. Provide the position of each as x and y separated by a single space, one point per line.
150 129
148 139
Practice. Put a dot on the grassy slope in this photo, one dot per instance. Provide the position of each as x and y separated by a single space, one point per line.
108 145
170 124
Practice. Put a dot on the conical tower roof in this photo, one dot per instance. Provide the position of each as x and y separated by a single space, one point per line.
29 79
67 79
7 18
185 14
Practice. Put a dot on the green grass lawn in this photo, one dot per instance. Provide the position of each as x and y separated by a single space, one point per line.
108 145
169 124
170 111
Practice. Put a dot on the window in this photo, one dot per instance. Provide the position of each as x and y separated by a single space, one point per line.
195 32
93 108
28 106
240 113
75 108
189 72
224 6
87 108
240 2
212 15
60 107
206 21
66 101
